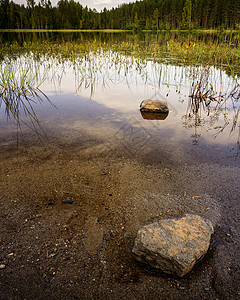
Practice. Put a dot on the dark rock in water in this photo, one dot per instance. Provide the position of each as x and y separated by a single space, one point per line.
173 246
68 201
154 106
50 203
154 116
67 258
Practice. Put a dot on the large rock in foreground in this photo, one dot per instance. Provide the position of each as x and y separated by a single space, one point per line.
173 246
154 106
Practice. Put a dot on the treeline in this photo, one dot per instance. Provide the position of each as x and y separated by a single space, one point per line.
140 15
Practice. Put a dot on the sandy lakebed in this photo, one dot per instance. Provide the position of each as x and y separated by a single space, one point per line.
71 208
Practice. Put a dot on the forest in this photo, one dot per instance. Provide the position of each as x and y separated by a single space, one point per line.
139 15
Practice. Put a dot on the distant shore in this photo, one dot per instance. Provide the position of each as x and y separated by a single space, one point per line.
118 30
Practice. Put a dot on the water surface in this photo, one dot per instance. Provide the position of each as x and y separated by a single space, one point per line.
104 90
88 142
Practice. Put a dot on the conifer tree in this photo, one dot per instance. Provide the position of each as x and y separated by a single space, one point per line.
144 14
187 15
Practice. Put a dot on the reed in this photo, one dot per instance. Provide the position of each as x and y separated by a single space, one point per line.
220 52
94 60
20 91
205 100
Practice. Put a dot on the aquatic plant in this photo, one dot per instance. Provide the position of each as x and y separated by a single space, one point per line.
208 105
181 49
20 90
97 61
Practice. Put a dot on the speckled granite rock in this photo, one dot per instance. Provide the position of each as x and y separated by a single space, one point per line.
154 106
173 246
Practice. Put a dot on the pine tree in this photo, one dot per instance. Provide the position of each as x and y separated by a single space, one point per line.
187 15
156 19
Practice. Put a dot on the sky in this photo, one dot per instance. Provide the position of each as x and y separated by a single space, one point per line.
98 4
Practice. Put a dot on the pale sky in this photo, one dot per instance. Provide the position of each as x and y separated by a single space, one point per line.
98 4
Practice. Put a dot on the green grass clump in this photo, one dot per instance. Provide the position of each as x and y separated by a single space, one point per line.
20 91
171 49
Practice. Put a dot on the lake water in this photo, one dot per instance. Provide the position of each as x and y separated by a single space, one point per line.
88 143
104 90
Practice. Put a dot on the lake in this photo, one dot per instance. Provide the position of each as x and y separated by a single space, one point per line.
74 132
110 86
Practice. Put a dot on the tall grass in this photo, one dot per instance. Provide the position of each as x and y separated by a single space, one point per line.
216 104
94 59
20 90
171 49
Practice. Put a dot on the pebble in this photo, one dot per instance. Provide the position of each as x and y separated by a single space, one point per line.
2 266
68 201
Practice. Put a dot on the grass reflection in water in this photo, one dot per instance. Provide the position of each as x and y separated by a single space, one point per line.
20 90
206 106
95 62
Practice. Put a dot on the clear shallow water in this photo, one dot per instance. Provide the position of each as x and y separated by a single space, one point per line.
101 93
121 170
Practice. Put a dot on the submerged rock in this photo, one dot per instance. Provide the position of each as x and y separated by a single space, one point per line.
68 201
173 246
154 106
153 116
